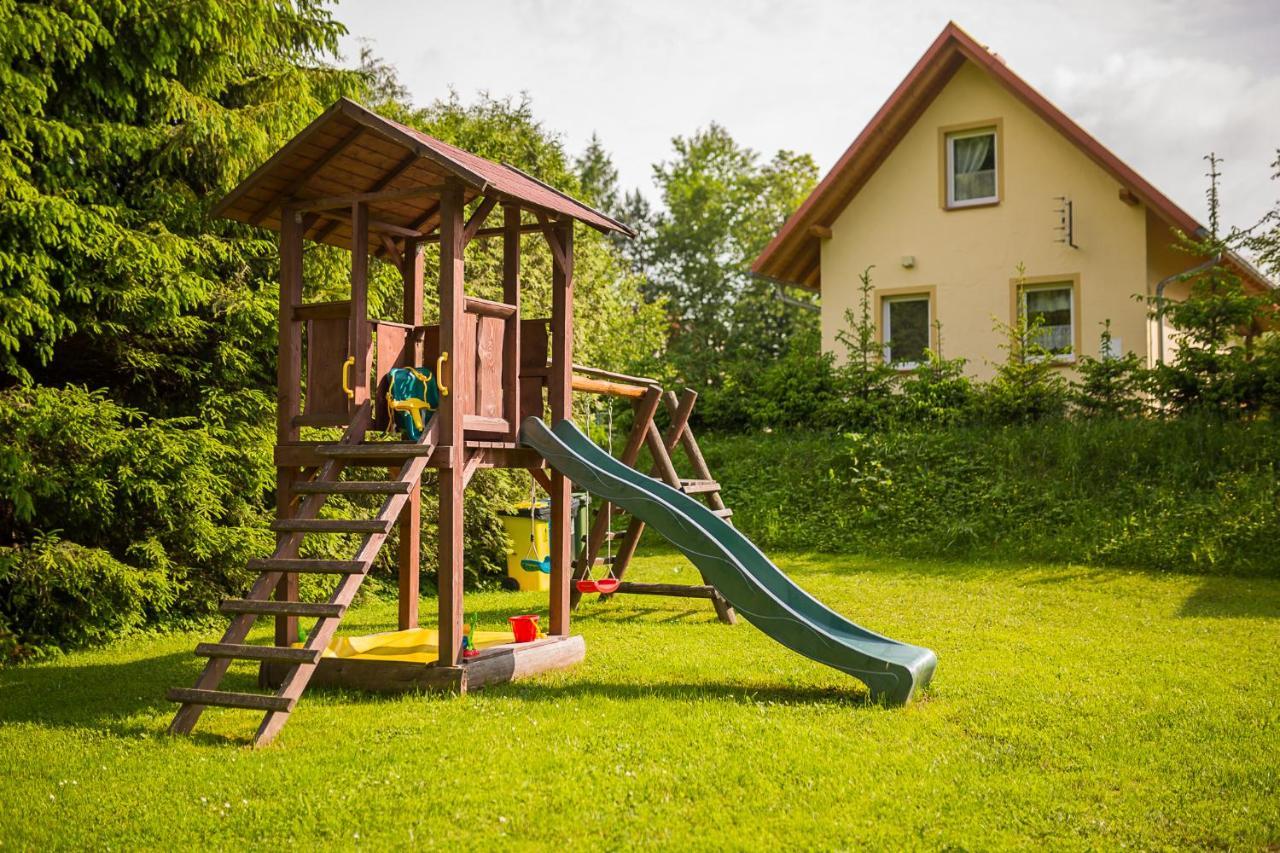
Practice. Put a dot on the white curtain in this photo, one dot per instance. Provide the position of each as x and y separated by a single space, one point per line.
968 156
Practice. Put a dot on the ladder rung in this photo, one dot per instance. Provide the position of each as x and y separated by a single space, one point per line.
696 487
722 513
242 651
317 567
281 608
383 450
353 487
227 699
332 525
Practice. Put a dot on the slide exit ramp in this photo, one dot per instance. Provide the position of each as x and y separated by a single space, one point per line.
757 588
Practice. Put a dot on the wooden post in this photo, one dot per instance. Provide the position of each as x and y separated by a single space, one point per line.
511 335
409 556
358 332
561 400
452 301
288 395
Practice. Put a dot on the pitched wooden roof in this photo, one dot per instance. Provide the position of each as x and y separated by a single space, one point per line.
793 254
351 150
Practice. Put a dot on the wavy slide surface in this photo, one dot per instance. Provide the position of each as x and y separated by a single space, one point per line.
757 588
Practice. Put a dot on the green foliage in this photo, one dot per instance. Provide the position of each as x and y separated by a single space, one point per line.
1109 385
938 391
1192 494
120 123
867 380
56 594
1027 385
1216 366
173 495
721 205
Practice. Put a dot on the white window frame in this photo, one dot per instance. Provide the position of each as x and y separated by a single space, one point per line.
886 329
1067 285
994 133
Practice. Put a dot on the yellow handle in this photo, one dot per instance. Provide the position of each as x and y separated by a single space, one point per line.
444 390
346 380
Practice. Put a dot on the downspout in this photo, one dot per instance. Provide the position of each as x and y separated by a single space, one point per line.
1163 283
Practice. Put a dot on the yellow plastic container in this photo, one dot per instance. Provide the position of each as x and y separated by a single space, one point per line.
518 525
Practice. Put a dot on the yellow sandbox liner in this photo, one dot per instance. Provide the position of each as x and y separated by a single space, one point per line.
416 645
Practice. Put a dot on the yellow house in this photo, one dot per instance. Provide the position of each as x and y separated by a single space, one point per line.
963 175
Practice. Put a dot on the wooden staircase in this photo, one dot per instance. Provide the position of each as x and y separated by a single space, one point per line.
302 662
703 486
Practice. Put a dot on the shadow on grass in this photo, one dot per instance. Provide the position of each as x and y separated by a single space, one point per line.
122 699
721 691
1233 598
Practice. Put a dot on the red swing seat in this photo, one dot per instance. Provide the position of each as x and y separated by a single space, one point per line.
604 586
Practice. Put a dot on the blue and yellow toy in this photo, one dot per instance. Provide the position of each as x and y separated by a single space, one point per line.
411 392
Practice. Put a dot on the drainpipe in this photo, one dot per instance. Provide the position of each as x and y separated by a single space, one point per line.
1164 282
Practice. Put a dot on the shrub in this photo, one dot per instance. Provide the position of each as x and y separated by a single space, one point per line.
56 594
1191 494
1109 385
1027 386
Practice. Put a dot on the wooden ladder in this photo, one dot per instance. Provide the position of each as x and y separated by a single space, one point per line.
302 661
703 485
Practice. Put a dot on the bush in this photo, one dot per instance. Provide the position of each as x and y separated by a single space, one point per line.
56 594
1196 495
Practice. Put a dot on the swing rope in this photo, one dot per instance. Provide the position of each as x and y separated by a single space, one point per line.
608 583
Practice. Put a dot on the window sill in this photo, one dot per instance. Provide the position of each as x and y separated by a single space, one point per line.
971 206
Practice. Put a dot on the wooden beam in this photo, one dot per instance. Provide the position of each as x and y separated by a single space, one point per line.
559 256
348 199
560 397
511 331
1129 197
377 186
540 477
822 232
501 231
372 224
450 418
601 386
358 330
478 217
409 558
393 251
289 348
307 174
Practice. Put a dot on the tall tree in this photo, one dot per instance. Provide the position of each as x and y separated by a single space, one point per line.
722 204
121 123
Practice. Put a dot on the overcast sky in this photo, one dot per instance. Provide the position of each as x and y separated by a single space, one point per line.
1160 82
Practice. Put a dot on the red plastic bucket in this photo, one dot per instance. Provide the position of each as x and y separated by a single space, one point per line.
524 627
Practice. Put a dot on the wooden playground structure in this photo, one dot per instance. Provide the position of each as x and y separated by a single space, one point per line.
361 182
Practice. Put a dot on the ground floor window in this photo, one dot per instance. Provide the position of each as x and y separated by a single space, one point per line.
904 327
1053 306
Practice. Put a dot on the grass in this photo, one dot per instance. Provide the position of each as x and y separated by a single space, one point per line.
1078 707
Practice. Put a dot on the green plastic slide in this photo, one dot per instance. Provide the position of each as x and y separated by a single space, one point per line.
744 576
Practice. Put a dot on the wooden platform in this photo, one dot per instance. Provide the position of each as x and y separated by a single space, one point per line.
494 665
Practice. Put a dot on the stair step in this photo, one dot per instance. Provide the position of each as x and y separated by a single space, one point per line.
696 487
382 451
353 487
227 699
722 513
332 525
314 567
281 608
242 651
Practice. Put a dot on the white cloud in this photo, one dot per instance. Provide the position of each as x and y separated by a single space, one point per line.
1163 114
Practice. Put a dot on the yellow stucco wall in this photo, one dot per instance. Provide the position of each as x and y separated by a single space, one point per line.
968 256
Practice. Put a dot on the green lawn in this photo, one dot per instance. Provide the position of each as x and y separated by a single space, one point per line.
1086 708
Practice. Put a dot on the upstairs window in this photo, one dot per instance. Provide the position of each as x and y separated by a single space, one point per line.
972 172
1054 306
904 326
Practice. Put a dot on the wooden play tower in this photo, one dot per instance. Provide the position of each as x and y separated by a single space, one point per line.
356 180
